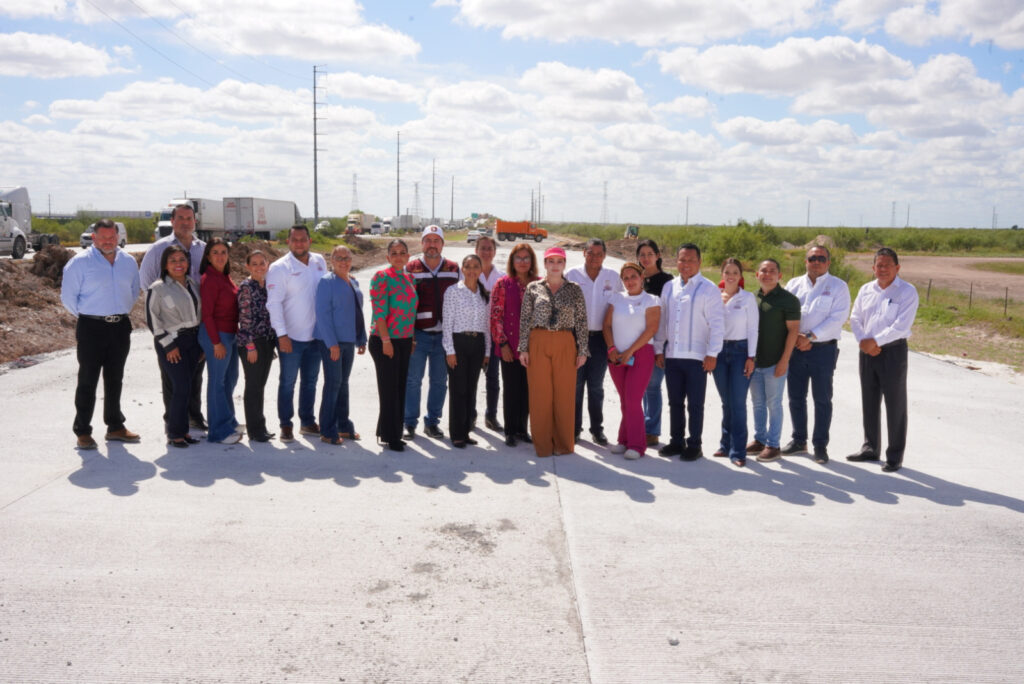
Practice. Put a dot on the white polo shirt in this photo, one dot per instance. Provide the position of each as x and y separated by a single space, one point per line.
291 295
597 293
824 305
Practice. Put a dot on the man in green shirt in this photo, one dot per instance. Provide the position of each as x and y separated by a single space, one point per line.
777 330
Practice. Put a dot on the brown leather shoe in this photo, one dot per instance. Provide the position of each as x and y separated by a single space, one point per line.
311 429
122 435
286 434
769 454
755 447
652 440
86 442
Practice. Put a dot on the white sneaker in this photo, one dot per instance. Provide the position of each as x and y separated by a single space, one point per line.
233 438
632 454
617 449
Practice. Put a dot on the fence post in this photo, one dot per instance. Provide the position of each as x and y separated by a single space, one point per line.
928 297
970 300
1006 299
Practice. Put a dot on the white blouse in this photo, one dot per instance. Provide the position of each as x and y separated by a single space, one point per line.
629 317
464 311
741 317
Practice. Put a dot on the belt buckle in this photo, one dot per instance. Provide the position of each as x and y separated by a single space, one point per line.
112 319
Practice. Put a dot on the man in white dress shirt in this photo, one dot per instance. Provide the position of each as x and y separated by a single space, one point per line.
881 320
598 285
824 307
291 302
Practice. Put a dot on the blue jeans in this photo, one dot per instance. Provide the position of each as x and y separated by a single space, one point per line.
591 376
816 366
428 351
334 400
652 402
732 388
687 384
220 386
303 360
766 395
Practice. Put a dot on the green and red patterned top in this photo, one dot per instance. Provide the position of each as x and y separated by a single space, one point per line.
393 297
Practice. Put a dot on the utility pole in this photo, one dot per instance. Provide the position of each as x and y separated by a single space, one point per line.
687 211
604 205
355 195
908 216
398 178
316 148
433 184
533 213
892 221
416 200
995 218
451 219
808 213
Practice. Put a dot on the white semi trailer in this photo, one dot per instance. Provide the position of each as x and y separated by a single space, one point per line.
16 234
255 217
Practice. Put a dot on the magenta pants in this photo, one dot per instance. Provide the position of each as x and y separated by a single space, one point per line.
631 382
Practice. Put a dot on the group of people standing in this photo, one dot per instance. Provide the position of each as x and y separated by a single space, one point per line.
550 337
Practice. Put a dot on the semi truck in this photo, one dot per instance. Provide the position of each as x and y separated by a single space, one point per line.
16 234
358 223
519 230
256 217
209 217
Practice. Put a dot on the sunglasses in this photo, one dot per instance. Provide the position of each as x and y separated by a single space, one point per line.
817 258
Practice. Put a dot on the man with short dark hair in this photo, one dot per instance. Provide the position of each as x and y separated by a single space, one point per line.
777 328
183 228
433 275
291 302
99 288
598 285
486 248
824 307
882 317
689 339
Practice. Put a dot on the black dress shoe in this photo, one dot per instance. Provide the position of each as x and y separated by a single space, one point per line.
433 431
691 454
863 455
459 444
599 438
491 423
510 440
180 443
891 467
198 424
670 450
259 438
820 455
410 432
397 446
794 447
525 438
191 440
472 442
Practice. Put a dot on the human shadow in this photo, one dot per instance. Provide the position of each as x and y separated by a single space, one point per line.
119 472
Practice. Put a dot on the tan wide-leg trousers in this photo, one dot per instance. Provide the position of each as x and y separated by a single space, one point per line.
551 377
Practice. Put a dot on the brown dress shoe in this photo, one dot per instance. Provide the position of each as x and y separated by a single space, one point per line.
755 447
769 454
286 434
122 435
652 440
311 429
86 442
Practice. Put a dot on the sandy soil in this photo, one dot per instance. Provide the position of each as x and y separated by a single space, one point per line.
953 273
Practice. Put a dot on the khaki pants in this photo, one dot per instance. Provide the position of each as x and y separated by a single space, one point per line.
551 377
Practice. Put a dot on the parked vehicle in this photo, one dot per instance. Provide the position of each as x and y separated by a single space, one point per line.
16 234
386 227
519 230
163 223
377 228
321 227
261 218
472 235
358 223
122 235
209 215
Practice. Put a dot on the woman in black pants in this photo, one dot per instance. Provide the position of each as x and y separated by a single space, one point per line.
256 342
394 299
466 337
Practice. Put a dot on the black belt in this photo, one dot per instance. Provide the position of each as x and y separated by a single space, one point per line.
825 342
188 331
596 332
106 319
902 342
470 333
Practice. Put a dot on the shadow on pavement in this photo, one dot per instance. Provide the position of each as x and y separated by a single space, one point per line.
119 473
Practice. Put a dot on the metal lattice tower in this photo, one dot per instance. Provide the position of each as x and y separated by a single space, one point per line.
317 72
604 205
355 194
416 200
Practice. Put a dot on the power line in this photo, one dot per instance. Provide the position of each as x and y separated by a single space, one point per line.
136 37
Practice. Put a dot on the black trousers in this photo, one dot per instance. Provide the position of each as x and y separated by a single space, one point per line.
256 375
181 375
462 383
195 399
885 376
102 348
515 395
493 386
391 376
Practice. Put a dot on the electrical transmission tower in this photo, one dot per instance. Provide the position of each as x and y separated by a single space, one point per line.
355 194
316 148
416 200
604 205
892 221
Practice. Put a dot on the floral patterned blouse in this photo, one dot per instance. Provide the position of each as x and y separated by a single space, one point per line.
253 317
394 299
563 310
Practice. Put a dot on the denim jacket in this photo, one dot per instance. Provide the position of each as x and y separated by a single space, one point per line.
339 311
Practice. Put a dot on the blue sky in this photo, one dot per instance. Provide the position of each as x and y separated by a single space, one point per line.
748 109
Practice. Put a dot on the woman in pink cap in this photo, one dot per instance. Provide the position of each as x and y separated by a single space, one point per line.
553 343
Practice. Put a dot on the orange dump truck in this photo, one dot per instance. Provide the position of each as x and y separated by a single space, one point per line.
519 230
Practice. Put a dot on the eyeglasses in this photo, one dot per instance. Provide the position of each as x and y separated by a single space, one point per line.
817 258
342 258
525 258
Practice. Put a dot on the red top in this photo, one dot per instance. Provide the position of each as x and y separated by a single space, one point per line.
219 297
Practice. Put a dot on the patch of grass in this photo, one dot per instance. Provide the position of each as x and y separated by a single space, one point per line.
1011 267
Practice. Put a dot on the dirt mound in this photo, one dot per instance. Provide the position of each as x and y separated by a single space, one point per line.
49 263
821 241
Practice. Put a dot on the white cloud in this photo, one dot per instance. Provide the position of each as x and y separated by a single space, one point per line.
555 78
687 105
660 142
23 9
37 120
786 131
645 22
787 68
350 85
36 55
999 21
485 99
865 14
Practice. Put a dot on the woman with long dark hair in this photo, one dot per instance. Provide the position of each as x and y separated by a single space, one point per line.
649 257
466 338
217 339
736 361
256 341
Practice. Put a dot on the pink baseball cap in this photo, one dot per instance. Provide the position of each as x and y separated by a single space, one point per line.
554 252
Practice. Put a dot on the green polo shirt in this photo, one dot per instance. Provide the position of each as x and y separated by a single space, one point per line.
776 307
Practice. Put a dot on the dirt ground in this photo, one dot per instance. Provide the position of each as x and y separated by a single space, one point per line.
953 273
33 320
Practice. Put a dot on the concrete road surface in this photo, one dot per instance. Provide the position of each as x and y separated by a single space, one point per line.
314 563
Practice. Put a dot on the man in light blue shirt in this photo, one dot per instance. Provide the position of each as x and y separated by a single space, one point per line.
183 228
99 288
